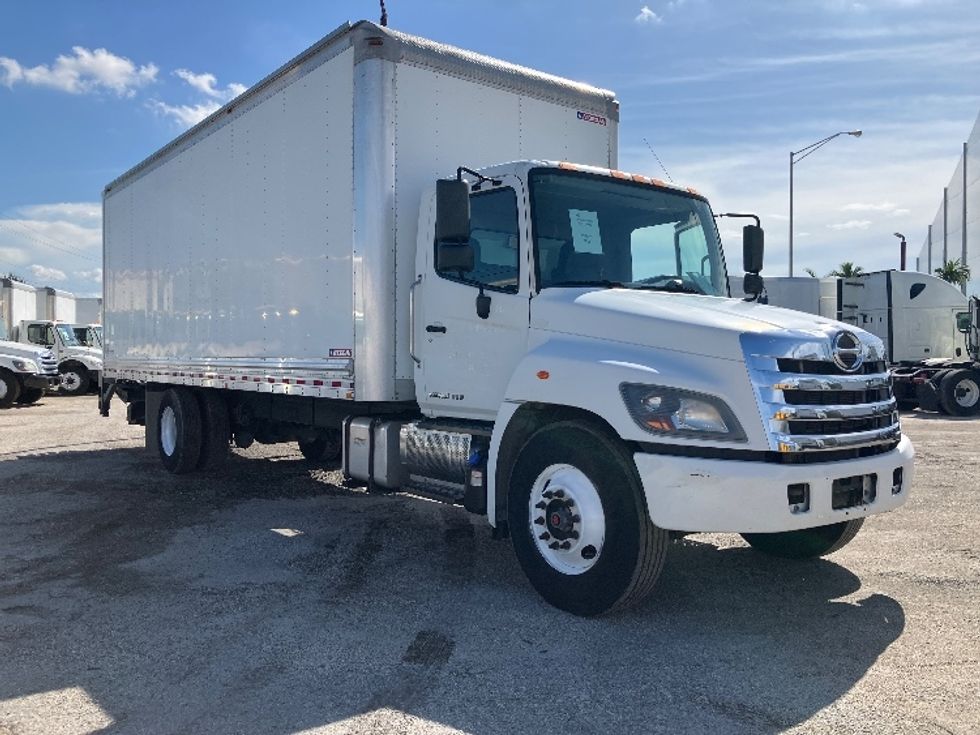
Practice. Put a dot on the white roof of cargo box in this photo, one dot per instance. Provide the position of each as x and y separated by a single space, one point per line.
372 41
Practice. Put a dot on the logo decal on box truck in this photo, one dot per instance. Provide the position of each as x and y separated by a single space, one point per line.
341 352
589 117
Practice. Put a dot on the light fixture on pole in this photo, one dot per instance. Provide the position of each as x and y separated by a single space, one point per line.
794 158
900 235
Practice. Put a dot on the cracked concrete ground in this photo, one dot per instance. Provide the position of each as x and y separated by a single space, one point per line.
269 599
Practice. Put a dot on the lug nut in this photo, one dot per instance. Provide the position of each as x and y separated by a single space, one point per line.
565 545
570 503
545 536
573 534
548 494
553 545
576 519
559 493
541 506
539 521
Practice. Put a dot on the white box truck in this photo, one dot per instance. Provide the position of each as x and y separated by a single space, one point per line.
344 257
44 316
26 372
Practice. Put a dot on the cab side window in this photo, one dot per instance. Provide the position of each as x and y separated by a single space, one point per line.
38 334
495 237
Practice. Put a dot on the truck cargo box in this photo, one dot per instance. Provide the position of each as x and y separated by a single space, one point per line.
272 246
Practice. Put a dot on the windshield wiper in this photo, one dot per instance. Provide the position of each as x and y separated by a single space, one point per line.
597 282
669 287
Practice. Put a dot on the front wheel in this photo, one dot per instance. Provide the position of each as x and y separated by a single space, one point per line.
9 389
579 522
325 447
959 393
74 381
807 543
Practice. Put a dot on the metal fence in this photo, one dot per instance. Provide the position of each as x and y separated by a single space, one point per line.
955 231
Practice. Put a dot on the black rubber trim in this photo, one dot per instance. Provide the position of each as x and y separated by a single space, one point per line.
752 455
891 317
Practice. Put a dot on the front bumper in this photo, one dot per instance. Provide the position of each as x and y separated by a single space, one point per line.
732 496
44 382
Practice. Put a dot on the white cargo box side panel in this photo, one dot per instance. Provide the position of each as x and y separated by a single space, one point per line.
235 249
445 121
19 304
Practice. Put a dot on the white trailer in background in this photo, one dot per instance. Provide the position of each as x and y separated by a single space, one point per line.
88 310
923 321
343 256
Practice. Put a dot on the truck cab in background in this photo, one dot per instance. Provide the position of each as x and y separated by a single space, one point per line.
88 335
79 366
26 373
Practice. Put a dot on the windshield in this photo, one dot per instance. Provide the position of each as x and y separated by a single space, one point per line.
67 335
593 230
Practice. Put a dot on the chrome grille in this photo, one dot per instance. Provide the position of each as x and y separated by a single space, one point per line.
809 403
48 364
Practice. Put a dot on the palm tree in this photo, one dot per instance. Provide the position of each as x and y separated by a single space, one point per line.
955 272
847 269
810 272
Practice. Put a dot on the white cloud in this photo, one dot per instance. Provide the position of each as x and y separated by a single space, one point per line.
851 224
44 273
206 83
84 71
862 207
94 275
900 212
185 115
13 256
82 213
647 16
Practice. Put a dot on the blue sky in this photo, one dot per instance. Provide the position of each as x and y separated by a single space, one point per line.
722 90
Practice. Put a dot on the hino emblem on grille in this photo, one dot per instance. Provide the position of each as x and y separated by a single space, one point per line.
847 352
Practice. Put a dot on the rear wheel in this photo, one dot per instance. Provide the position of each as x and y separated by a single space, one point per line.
30 395
806 543
179 430
9 389
74 380
325 448
959 393
579 522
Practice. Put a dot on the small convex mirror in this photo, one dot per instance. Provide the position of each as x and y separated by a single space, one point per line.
753 247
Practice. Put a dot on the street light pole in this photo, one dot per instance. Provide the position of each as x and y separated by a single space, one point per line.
794 158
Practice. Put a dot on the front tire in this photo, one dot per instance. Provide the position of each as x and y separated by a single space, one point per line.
807 543
579 522
179 430
9 389
959 393
30 395
75 381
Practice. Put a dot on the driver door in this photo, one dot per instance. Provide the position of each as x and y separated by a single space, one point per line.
466 361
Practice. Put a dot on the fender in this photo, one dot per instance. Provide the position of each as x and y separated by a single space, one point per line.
585 373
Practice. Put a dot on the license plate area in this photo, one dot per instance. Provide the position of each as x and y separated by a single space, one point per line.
848 492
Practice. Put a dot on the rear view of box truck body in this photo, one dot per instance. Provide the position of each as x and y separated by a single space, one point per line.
383 251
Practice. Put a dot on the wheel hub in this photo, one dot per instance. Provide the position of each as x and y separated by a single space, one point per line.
70 381
967 393
566 519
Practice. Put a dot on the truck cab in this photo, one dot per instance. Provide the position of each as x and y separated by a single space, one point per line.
26 373
78 366
88 335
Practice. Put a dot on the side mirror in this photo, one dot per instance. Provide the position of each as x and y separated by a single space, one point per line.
753 247
452 211
963 322
452 256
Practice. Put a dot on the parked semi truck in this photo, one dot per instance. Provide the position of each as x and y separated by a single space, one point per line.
43 317
26 372
344 257
928 328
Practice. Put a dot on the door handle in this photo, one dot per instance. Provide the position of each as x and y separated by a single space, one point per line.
433 328
411 320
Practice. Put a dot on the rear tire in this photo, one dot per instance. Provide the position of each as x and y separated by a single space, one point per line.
615 554
215 430
325 448
30 395
9 389
959 392
75 381
179 430
807 543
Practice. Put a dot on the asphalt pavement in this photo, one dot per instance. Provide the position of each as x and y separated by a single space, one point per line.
270 599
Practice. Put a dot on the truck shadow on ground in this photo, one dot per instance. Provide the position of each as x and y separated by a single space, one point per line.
268 600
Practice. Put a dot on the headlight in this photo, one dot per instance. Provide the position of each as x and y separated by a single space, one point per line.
26 366
662 410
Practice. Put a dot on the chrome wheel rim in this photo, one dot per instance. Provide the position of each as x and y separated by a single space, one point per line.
967 393
566 519
70 381
3 389
168 431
